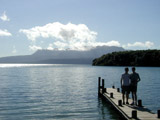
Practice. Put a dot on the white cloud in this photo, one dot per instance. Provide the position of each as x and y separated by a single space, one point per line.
146 44
78 45
14 50
60 31
4 17
34 47
66 36
110 43
5 33
73 37
60 45
50 47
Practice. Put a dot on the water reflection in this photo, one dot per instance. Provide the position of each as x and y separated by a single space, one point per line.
66 91
106 110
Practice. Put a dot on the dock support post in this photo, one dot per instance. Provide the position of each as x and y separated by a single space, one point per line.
119 102
111 95
102 86
140 103
134 114
118 90
105 89
158 113
99 85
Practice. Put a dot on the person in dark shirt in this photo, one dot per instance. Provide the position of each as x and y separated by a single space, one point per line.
134 81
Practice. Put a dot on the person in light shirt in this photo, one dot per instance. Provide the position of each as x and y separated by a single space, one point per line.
125 85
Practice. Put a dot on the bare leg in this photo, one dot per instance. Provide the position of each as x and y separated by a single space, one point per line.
132 98
127 96
135 97
123 98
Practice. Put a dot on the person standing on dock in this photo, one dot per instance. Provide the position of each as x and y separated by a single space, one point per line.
125 85
134 81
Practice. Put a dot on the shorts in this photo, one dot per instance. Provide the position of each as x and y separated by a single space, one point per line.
133 88
125 89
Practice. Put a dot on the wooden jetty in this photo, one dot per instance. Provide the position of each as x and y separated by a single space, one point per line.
127 112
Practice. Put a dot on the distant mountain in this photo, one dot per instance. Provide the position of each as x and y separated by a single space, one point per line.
62 56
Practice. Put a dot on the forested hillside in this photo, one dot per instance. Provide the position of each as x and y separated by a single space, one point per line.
130 58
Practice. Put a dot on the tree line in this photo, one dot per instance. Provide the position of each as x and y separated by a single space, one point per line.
129 58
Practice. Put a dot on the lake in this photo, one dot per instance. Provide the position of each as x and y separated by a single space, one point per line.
67 91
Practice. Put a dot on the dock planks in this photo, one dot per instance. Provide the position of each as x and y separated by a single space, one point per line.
126 110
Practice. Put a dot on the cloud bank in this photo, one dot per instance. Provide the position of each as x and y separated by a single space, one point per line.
73 37
56 30
5 33
34 47
66 36
4 17
146 44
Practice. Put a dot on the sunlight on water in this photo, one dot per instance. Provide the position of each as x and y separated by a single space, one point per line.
23 65
39 91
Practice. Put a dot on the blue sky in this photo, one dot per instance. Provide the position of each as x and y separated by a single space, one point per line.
29 25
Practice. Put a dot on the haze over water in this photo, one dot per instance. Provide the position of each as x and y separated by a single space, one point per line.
66 91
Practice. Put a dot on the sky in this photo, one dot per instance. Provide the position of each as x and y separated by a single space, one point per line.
30 25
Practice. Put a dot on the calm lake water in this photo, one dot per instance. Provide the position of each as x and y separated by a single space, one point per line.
67 91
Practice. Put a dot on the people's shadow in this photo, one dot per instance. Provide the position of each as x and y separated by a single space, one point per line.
144 109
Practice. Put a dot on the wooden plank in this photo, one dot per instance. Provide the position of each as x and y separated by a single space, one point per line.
126 110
